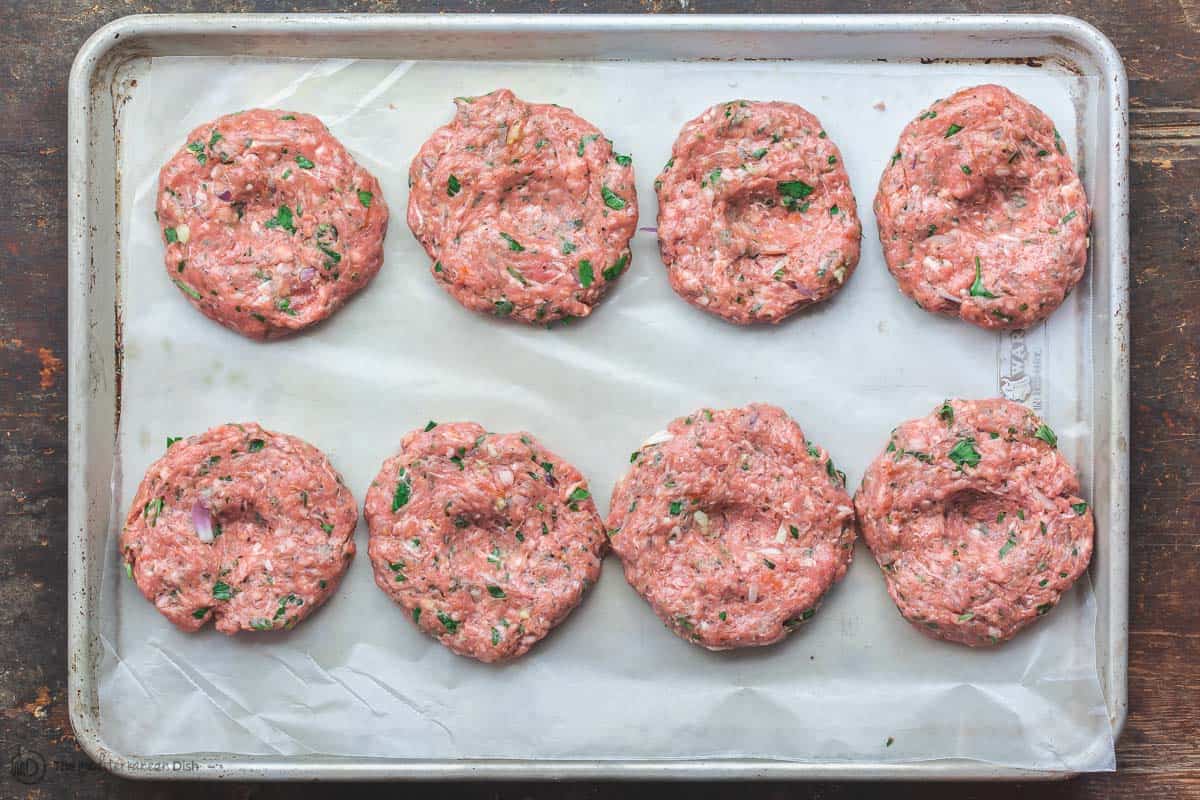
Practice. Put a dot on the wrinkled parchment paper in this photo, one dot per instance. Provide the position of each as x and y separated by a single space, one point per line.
357 678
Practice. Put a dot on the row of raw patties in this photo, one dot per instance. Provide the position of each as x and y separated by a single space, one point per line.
526 212
730 523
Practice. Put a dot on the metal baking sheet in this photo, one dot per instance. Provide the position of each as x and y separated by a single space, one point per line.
591 701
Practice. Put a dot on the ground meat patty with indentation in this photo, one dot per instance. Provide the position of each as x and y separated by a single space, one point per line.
244 526
487 540
976 520
756 218
525 209
981 214
269 223
732 526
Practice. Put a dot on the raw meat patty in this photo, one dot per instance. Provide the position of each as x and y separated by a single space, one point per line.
487 540
975 517
732 526
981 214
244 526
756 218
269 223
525 209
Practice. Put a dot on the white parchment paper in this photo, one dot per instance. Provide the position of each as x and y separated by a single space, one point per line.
357 678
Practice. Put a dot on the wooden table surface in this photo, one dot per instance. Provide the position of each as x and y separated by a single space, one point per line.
1159 754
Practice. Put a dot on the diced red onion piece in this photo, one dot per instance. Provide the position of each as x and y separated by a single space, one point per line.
226 195
307 274
202 521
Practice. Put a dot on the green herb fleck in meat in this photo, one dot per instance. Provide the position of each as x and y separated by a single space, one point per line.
171 235
255 445
623 160
403 492
953 129
611 199
1046 435
222 591
197 149
496 592
304 163
453 187
365 198
282 219
151 511
977 288
676 508
1079 508
591 137
964 454
946 413
447 622
617 267
793 192
503 308
585 273
195 295
172 440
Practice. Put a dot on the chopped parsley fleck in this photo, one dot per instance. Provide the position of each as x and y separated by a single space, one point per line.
453 187
833 211
503 308
585 273
1043 608
580 493
402 494
365 198
325 526
611 199
568 247
835 473
288 116
417 615
172 440
966 170
495 637
895 157
623 160
618 266
1008 545
496 592
769 563
591 137
947 413
282 219
1079 508
759 153
255 445
516 273
793 192
447 621
513 244
171 235
197 149
200 612
964 454
967 617
1069 217
222 591
676 508
1046 435
722 616
304 163
953 129
977 288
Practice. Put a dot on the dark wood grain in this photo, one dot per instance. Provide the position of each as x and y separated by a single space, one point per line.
1159 755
